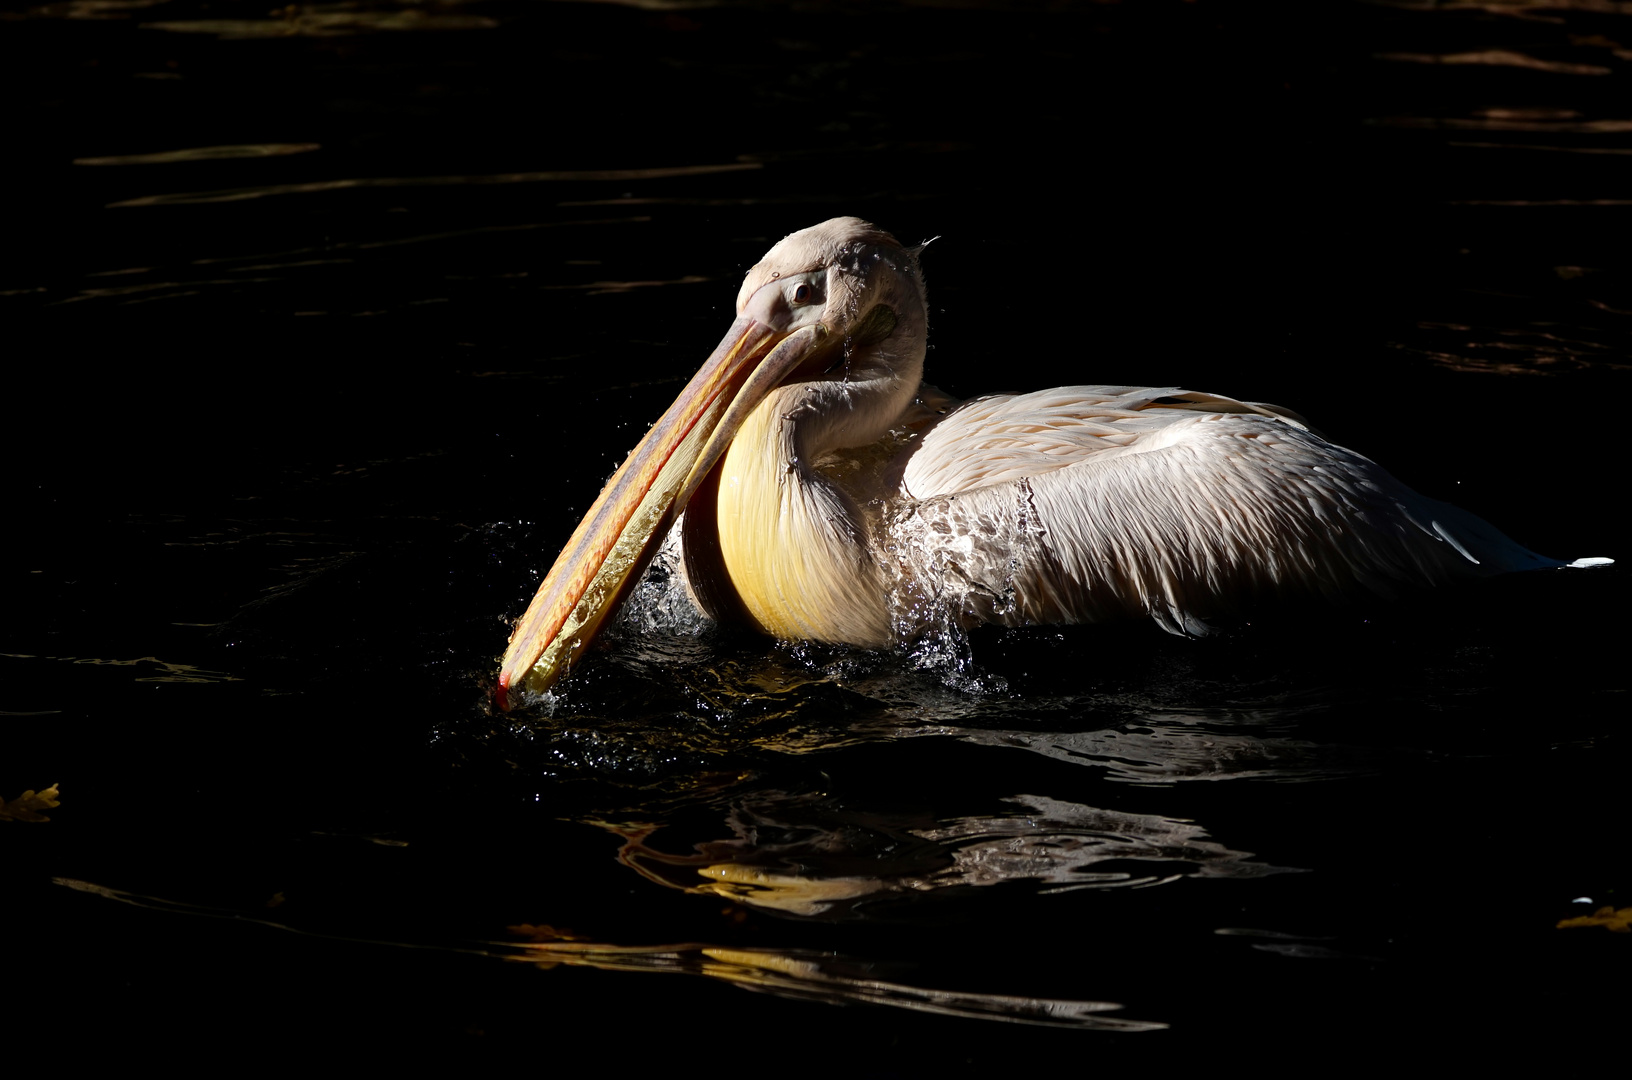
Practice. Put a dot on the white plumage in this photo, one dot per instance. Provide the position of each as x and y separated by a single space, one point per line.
1184 507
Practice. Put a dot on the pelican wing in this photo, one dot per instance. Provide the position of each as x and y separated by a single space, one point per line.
1010 437
1088 503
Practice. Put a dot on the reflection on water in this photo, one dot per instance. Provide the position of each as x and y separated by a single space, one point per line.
293 20
153 670
804 855
797 974
202 153
1500 58
1169 747
313 187
834 980
1552 121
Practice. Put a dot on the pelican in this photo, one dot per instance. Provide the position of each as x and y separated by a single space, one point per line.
822 492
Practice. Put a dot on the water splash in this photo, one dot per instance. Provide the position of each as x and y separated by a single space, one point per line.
955 564
661 601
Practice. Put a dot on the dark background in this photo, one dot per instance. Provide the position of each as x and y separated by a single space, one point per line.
293 426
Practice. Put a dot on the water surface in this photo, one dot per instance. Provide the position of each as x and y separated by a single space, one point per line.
335 319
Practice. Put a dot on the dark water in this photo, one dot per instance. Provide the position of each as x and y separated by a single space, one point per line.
326 324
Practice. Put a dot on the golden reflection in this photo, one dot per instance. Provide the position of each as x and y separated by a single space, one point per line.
1498 58
824 977
327 20
794 973
162 670
1507 351
787 892
203 153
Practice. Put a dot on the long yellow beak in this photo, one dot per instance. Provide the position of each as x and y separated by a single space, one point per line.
615 541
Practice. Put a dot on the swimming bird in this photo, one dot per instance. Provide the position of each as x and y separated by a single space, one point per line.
821 491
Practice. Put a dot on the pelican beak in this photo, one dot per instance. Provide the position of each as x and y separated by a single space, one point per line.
613 544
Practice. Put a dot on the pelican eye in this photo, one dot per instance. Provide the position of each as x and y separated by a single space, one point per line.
803 294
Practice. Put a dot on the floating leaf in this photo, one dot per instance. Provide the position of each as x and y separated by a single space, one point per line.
1618 921
27 806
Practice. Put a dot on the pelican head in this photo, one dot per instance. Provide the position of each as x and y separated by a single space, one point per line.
836 310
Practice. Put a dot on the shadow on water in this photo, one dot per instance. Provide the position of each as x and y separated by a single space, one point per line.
340 315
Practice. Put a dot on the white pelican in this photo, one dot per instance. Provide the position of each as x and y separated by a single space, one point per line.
825 500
